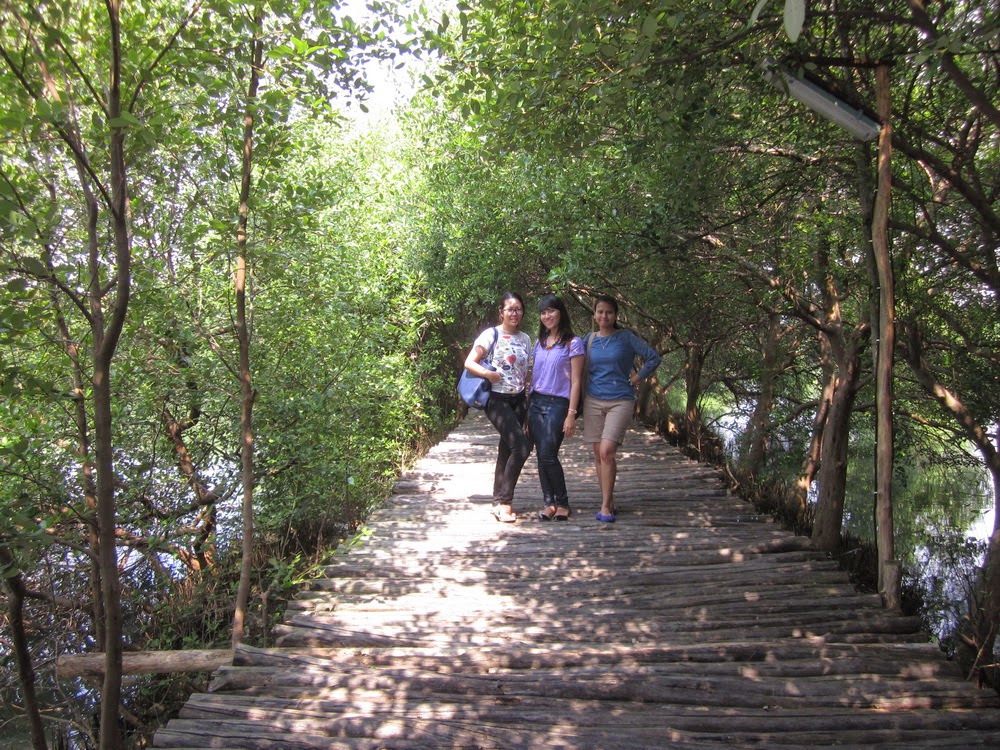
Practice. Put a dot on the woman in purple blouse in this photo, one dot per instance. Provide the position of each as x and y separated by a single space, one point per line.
555 394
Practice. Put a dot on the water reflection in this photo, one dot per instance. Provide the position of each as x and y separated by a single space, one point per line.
943 515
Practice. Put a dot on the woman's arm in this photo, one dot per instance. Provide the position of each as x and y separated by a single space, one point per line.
472 364
576 380
650 358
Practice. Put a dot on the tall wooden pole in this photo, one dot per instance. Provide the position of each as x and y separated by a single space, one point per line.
247 393
888 567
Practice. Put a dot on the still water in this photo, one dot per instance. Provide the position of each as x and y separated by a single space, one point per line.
943 515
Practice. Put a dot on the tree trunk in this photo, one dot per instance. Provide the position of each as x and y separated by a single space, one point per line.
979 630
758 425
986 622
206 499
80 421
888 569
832 476
812 461
105 345
22 654
243 335
692 382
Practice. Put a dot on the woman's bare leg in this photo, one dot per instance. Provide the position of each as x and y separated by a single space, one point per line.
606 466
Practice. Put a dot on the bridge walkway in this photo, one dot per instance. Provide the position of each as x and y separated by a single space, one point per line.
691 622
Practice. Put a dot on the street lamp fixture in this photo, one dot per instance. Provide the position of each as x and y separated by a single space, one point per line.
819 100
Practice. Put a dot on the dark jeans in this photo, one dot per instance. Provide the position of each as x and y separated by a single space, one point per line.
546 415
506 412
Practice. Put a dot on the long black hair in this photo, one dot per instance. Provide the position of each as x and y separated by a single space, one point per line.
565 330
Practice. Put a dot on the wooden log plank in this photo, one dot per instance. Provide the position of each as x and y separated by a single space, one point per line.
650 694
884 674
305 636
657 684
144 662
739 654
368 717
762 601
687 555
618 724
744 615
507 574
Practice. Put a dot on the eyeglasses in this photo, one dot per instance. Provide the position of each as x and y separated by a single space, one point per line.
514 310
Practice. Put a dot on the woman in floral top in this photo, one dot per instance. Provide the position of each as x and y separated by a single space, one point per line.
507 406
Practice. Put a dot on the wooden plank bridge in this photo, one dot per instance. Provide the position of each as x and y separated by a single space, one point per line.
692 622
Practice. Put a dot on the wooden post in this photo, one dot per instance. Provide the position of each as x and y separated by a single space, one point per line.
889 574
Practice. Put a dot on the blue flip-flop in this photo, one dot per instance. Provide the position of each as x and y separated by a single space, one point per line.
603 518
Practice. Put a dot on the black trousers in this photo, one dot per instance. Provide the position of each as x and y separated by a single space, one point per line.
506 413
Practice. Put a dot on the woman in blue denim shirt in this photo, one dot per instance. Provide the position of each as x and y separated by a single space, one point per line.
555 392
611 384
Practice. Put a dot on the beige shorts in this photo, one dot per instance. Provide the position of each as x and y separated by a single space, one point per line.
606 420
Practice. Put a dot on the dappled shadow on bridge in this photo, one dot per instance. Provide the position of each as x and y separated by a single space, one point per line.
690 622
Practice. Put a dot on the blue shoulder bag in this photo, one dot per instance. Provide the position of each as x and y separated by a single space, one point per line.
474 390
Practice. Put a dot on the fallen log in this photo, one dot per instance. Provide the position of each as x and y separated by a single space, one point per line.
145 662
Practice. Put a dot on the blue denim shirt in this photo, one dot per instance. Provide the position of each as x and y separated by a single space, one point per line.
610 363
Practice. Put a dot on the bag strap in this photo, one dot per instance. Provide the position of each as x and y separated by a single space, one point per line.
496 337
589 339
